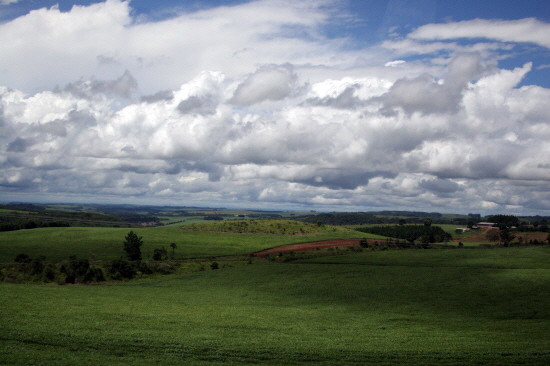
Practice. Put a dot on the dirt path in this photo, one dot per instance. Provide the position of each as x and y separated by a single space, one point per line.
302 247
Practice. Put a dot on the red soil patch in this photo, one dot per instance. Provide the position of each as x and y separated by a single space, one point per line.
478 236
481 236
532 236
302 247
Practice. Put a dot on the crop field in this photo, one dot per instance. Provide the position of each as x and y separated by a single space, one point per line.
407 307
106 243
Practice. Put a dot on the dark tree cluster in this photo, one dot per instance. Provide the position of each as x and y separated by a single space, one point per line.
411 233
504 220
80 271
213 218
73 270
12 224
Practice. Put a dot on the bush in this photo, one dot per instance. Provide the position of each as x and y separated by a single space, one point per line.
214 265
159 267
121 269
160 254
50 272
36 266
22 258
94 275
79 271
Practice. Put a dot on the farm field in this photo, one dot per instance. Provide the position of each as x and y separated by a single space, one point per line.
407 307
106 243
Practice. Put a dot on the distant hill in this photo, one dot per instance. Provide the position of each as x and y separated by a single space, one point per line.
278 227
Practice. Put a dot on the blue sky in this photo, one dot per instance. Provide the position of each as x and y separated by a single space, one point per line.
334 105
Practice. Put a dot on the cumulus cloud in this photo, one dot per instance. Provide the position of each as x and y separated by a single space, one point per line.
528 30
103 40
268 83
427 95
251 125
122 87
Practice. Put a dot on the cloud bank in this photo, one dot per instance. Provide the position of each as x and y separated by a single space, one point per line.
229 106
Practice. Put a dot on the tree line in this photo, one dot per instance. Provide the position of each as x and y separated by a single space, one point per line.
424 233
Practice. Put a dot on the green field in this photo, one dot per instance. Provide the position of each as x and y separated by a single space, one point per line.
106 243
277 227
403 307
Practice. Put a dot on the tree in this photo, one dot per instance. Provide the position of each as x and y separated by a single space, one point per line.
428 222
174 247
506 236
132 244
492 235
159 254
121 269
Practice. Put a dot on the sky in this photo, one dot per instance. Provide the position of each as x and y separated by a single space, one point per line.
341 105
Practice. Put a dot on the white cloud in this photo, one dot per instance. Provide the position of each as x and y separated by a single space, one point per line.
48 47
269 83
8 2
160 111
394 63
528 30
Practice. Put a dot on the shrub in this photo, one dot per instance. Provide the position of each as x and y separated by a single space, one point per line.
94 275
80 271
50 272
121 269
160 267
22 258
160 254
36 266
214 265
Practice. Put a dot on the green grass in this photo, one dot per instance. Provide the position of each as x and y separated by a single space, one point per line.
10 211
451 229
188 220
478 307
497 258
106 243
277 227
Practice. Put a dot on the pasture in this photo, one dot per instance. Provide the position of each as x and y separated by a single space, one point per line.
106 243
407 307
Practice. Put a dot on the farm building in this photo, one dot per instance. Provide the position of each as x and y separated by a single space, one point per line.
486 224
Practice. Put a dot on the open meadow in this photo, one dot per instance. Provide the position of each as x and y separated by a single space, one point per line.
407 307
377 306
106 243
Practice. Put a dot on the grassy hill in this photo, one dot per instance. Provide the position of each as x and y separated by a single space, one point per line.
277 227
106 243
431 307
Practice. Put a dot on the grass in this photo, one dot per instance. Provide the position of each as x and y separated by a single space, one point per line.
277 227
496 258
414 307
106 243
